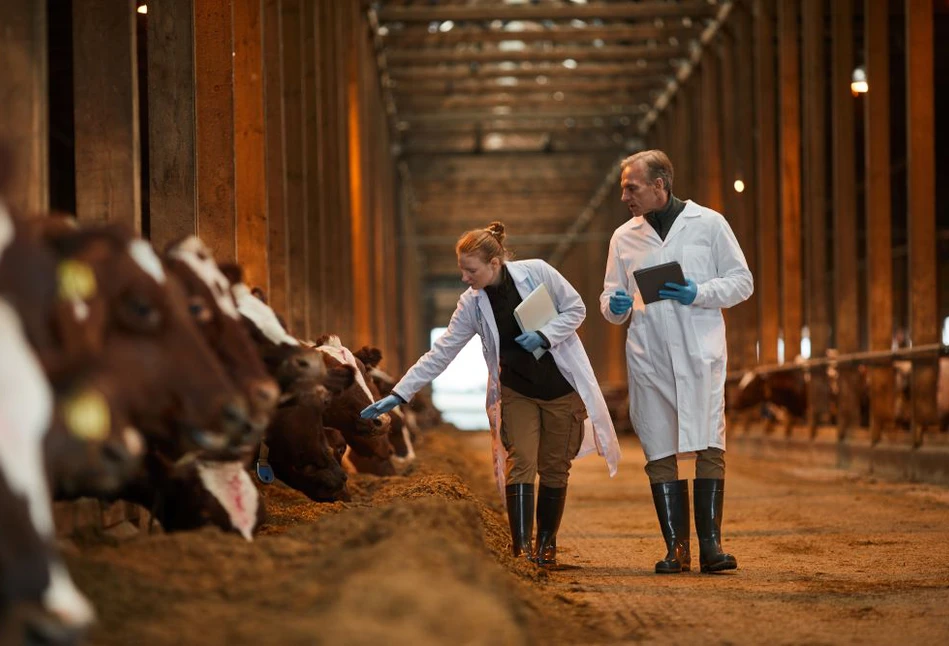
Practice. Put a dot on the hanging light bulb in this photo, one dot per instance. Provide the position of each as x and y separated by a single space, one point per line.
858 81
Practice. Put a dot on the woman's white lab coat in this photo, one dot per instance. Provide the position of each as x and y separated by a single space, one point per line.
676 353
474 315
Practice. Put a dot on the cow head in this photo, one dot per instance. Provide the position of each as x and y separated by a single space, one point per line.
343 413
213 308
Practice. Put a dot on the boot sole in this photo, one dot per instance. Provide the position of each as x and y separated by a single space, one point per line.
719 567
684 568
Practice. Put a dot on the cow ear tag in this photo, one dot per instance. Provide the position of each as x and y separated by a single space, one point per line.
77 281
264 472
86 416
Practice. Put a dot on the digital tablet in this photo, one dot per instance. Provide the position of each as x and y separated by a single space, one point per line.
651 279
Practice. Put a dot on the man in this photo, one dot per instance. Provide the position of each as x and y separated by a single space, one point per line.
675 349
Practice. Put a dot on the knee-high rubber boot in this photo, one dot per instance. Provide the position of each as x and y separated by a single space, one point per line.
672 508
709 497
520 514
550 504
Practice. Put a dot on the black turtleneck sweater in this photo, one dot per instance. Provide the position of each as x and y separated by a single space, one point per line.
520 371
662 219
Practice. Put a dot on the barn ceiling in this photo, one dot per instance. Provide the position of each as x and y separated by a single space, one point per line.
518 109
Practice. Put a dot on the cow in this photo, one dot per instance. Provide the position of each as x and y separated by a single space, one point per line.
343 413
404 428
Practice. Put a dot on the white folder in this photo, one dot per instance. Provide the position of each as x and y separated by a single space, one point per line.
534 312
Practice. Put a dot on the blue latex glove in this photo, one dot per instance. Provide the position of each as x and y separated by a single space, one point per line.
620 302
384 405
530 341
685 294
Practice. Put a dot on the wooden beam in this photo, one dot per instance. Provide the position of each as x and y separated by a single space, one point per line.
710 85
514 112
582 55
277 239
172 154
615 85
846 284
105 91
623 103
789 53
362 256
250 154
344 295
23 94
414 36
768 286
815 205
588 72
214 125
612 11
879 268
921 173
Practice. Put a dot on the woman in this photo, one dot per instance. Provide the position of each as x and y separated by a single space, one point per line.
537 409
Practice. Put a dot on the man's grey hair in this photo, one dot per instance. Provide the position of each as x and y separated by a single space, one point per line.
658 166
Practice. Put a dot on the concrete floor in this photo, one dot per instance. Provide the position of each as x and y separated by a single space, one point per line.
824 557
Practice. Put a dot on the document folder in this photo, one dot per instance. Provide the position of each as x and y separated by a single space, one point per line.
534 312
651 279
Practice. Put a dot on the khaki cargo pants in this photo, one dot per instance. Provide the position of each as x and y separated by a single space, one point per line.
540 436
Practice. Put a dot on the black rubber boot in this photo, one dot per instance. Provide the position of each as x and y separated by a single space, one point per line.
672 508
550 504
709 497
520 514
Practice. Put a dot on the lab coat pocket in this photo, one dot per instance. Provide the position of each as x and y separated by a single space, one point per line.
697 262
709 329
637 351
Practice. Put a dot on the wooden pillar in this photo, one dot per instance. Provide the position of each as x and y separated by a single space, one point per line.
277 239
711 164
879 241
768 287
250 153
921 173
214 126
344 296
105 91
172 155
312 96
736 322
298 292
24 126
790 155
846 319
816 214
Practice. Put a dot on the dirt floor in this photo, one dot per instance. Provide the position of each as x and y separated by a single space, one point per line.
824 558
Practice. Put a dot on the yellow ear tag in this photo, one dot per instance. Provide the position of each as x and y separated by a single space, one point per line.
77 281
87 416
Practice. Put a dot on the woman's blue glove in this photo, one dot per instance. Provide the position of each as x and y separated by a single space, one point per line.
685 294
530 341
384 405
620 302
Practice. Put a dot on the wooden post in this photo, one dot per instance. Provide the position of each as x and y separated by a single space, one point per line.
25 124
710 169
277 240
879 243
298 293
313 96
846 286
214 126
250 154
172 155
105 91
921 173
790 151
768 287
815 198
344 296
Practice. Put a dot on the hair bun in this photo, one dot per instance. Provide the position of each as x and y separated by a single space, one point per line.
496 229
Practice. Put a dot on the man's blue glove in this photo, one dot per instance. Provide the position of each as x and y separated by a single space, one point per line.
620 302
530 341
384 405
685 294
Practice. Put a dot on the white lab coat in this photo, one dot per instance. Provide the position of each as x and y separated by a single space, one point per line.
474 315
675 354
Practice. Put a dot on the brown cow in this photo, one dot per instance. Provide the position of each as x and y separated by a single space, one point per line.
404 428
343 413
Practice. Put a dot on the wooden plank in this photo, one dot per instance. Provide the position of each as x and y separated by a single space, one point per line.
611 11
921 173
250 144
23 94
789 52
105 92
442 55
879 240
768 285
312 221
553 71
277 240
711 167
846 285
604 86
815 211
172 156
416 36
214 126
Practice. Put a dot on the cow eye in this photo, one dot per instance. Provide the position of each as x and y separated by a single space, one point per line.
199 309
139 315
